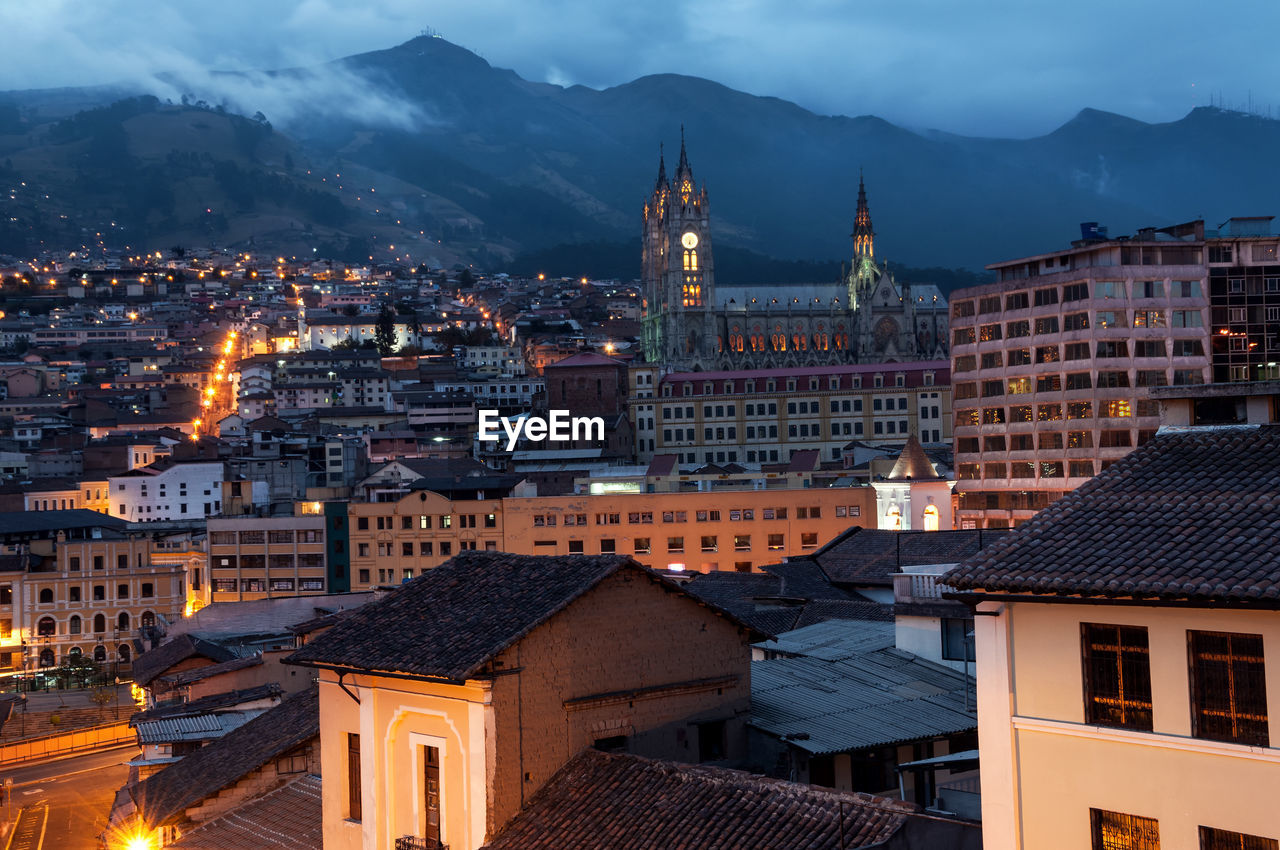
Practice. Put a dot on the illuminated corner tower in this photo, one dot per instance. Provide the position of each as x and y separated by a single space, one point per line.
678 272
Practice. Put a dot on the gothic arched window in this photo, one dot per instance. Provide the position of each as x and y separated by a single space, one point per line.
691 260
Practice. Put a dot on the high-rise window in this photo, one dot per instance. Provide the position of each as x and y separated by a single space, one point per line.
1117 676
1228 687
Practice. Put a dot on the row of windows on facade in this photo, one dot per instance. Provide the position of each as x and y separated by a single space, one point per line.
209 509
1121 831
770 432
425 521
99 562
250 538
1049 295
1106 349
647 517
122 487
1227 682
260 585
707 543
1050 441
792 384
999 471
800 407
276 562
1119 408
48 597
1077 322
779 341
48 658
426 548
1105 379
48 626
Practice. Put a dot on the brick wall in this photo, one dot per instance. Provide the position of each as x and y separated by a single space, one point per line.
626 635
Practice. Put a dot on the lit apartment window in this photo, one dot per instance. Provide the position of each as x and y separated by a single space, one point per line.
1117 676
1228 688
1115 831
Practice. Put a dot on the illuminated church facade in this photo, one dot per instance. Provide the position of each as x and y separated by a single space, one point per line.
691 323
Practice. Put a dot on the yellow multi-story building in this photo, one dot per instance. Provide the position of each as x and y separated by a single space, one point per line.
91 597
88 494
1122 645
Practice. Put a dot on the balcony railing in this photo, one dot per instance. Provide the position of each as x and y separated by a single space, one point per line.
915 587
412 842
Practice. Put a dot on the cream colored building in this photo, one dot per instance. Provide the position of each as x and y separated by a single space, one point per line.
1122 641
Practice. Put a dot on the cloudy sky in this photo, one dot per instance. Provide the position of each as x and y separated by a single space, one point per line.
992 67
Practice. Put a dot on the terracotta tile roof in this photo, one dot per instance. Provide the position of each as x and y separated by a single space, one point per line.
187 677
288 818
584 358
1194 514
784 597
213 702
870 557
164 796
601 801
154 662
661 465
450 621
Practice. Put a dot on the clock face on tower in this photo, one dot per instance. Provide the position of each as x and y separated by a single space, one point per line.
689 240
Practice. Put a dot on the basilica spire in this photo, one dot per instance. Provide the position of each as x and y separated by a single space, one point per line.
662 168
683 169
863 235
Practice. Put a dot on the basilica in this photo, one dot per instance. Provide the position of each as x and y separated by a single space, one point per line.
691 323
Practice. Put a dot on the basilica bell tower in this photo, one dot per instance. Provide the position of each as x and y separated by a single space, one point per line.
678 272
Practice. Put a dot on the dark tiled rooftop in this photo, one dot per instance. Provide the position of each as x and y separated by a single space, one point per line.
601 801
1193 514
187 677
287 818
784 597
451 620
213 702
153 662
868 556
164 796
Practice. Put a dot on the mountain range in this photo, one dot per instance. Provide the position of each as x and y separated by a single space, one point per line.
428 148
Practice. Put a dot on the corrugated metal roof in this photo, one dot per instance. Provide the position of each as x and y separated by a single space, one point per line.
884 696
833 640
198 728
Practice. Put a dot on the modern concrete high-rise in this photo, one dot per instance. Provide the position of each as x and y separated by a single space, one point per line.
1052 364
